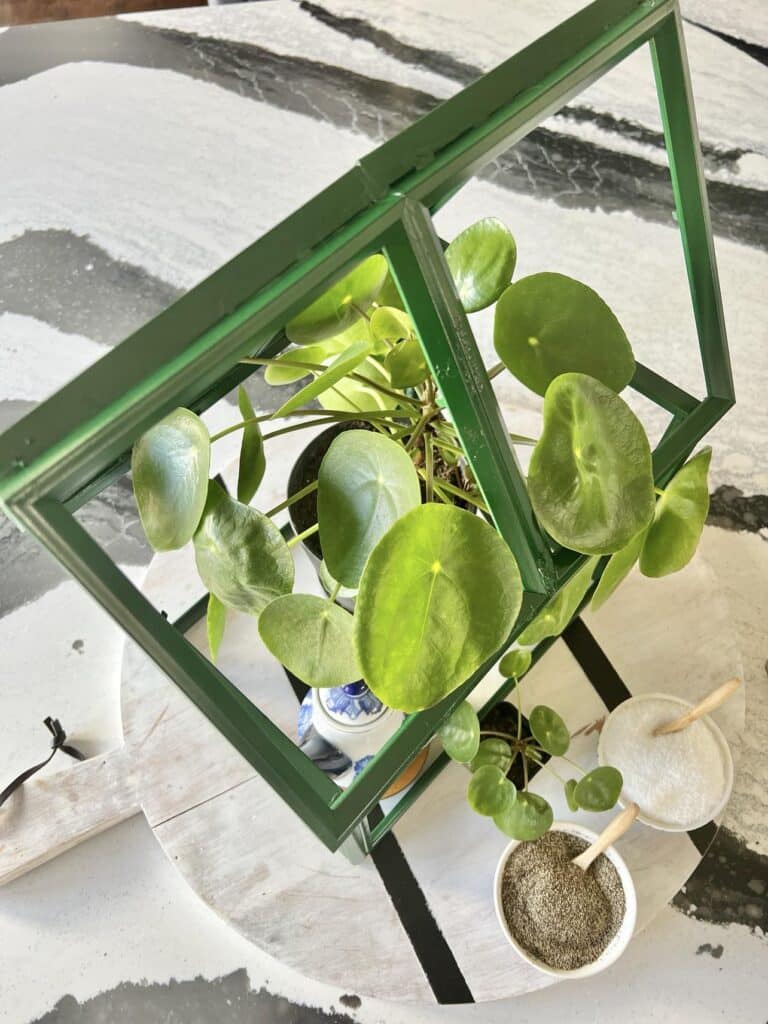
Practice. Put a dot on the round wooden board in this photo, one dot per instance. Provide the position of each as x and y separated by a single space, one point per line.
247 855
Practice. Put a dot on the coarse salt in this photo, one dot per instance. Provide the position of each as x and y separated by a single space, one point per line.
678 779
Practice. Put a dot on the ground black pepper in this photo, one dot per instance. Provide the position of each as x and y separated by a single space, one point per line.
560 914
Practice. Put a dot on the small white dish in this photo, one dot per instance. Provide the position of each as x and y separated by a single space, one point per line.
620 940
719 801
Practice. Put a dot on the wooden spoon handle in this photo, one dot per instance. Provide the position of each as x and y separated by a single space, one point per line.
709 703
613 831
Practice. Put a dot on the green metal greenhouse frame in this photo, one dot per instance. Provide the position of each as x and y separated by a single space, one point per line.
76 443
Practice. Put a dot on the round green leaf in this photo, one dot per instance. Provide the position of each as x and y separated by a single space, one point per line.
350 395
365 484
406 364
312 637
344 363
241 555
390 324
438 597
490 792
460 734
590 479
618 568
339 307
495 751
548 324
285 372
570 794
680 515
169 468
215 623
252 459
599 789
549 730
526 819
482 260
515 664
557 613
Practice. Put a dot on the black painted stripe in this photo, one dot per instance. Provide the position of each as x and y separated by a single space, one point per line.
612 690
429 944
595 665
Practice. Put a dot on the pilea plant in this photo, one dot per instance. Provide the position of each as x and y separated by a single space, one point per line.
400 519
490 754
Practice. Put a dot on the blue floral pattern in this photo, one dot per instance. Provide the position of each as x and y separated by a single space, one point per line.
352 701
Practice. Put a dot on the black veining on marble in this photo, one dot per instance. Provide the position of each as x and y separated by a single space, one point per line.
731 509
547 164
730 885
68 281
225 1000
417 56
754 50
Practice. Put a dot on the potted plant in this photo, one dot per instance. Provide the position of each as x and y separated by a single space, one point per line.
437 590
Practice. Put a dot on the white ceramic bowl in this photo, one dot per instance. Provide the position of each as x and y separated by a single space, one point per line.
620 940
718 802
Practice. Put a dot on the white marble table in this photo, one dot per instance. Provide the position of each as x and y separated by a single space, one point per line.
139 154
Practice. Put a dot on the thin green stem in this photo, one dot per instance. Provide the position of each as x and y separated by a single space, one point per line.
522 439
659 491
303 535
519 709
457 492
360 311
298 426
319 368
421 426
495 370
429 468
573 764
297 496
547 767
382 389
525 774
335 592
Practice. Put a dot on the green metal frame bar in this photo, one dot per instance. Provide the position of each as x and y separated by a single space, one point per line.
73 445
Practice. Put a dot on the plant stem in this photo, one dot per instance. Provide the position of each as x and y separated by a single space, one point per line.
659 491
303 535
332 415
495 370
519 710
318 368
523 439
573 764
293 497
429 468
464 495
547 767
298 426
413 440
525 773
360 311
334 593
390 392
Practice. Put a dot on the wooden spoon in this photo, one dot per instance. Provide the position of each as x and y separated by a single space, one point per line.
613 831
709 703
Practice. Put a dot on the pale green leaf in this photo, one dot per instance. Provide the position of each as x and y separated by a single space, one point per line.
438 597
169 469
